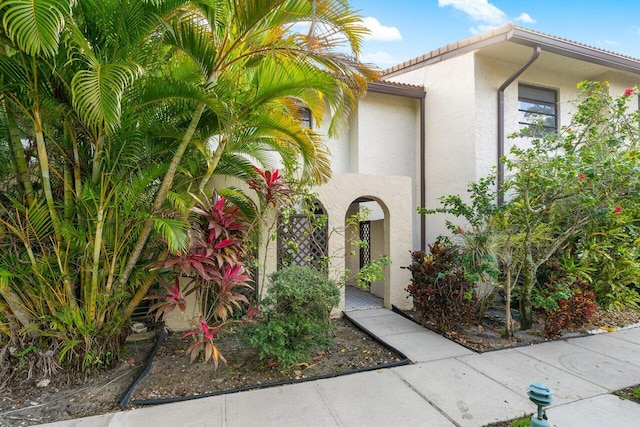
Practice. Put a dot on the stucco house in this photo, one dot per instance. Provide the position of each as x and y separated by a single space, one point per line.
433 124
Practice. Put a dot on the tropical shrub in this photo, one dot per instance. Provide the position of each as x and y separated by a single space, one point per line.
296 315
441 291
213 267
607 256
571 195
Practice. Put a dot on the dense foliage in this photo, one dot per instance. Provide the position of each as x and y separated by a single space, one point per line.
441 291
114 112
571 306
296 314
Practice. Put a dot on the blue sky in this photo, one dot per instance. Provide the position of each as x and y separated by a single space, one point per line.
404 29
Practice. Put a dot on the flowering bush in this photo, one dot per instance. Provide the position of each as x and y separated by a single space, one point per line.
571 195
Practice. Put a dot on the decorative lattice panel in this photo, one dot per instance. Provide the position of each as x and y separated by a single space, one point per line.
365 236
302 244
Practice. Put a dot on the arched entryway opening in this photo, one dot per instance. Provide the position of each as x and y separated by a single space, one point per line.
366 254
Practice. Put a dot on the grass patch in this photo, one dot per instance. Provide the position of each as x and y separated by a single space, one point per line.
524 421
630 393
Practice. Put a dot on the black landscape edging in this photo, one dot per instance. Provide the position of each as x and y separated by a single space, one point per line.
126 398
523 344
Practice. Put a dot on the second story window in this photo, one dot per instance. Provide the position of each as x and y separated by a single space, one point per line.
305 117
538 109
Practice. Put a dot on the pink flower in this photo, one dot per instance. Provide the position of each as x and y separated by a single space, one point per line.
580 176
628 91
618 209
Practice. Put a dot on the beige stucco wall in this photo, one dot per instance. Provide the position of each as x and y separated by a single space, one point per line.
461 115
450 130
385 140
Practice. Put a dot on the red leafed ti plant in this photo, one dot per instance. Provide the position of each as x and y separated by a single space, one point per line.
204 343
213 266
170 300
270 185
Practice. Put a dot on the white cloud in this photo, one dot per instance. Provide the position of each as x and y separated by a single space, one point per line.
482 29
381 59
380 32
526 18
478 10
488 15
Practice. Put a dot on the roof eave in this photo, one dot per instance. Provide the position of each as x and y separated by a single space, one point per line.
574 50
524 37
391 89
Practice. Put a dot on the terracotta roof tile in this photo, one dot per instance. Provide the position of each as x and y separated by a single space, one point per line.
505 31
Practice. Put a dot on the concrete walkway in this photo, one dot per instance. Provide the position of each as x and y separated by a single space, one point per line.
448 385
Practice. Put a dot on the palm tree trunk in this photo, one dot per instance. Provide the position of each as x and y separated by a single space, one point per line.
92 298
68 195
97 159
43 161
18 157
142 291
167 181
77 177
206 182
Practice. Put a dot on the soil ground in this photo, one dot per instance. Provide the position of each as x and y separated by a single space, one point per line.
23 403
489 335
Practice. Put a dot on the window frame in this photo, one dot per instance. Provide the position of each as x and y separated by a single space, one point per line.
306 117
532 126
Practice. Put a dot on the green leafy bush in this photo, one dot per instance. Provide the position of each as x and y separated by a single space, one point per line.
296 315
441 292
571 194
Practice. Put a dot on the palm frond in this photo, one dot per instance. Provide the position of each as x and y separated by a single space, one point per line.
194 38
35 26
240 199
97 93
174 232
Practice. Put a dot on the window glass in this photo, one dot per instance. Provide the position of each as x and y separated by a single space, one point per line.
305 117
538 109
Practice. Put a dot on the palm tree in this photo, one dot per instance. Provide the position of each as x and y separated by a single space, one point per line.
113 111
65 94
253 71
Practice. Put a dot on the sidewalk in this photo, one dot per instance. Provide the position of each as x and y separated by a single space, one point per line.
448 385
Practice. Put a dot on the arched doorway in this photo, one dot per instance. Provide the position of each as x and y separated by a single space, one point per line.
365 237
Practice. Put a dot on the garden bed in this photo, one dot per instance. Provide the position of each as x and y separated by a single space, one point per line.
23 403
489 335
